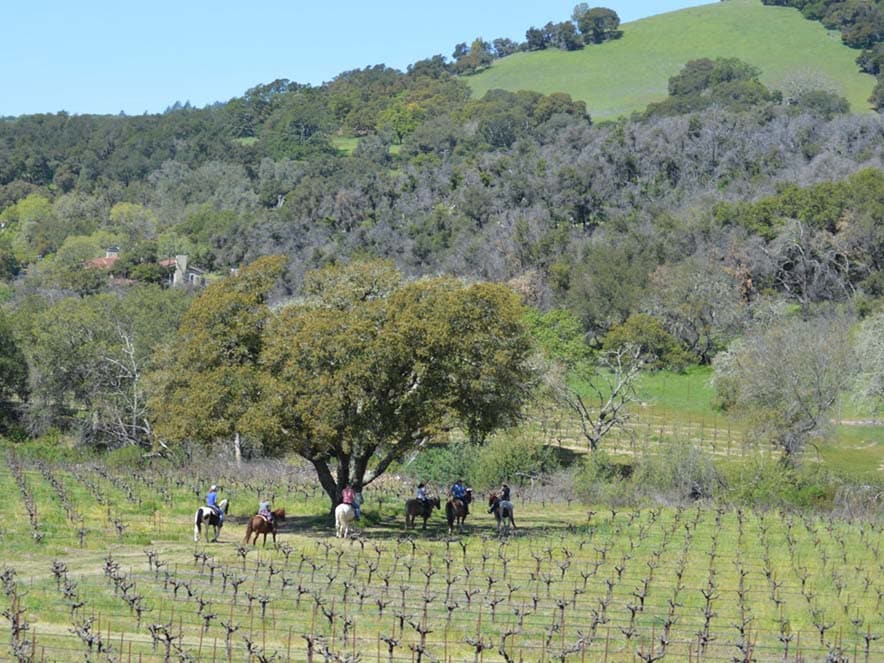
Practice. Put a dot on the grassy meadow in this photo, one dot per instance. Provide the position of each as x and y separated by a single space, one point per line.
620 77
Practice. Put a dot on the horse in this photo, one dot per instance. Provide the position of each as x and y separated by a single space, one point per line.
415 507
456 513
258 524
503 512
206 516
344 515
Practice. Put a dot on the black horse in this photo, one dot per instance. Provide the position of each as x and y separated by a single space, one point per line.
415 507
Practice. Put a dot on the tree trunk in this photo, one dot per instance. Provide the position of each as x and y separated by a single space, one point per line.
237 448
327 481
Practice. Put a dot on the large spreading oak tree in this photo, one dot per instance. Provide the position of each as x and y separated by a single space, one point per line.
365 368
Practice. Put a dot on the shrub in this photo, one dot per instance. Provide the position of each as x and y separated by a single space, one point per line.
602 480
510 456
659 348
131 457
680 471
442 464
770 483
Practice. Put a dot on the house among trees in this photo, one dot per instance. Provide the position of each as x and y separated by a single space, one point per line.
180 271
187 274
111 256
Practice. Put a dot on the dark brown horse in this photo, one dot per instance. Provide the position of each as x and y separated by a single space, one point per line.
456 512
503 512
415 507
260 525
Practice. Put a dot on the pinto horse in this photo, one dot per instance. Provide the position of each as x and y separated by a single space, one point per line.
415 507
503 512
206 516
258 525
456 513
344 515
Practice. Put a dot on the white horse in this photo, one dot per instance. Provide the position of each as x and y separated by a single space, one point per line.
344 515
206 516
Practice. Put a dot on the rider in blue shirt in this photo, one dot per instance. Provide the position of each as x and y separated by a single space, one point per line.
212 501
459 492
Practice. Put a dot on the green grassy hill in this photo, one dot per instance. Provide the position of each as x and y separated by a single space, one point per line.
626 75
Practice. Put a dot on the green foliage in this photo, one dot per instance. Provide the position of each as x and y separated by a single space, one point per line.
208 378
822 103
88 358
510 456
559 335
822 205
659 348
598 24
410 359
726 82
440 465
766 482
678 471
129 458
13 374
602 480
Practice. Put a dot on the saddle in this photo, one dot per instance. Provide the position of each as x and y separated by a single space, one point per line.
268 517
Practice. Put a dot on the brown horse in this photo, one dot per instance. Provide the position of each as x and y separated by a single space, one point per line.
415 507
456 512
260 525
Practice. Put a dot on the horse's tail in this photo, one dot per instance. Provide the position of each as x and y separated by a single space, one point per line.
248 531
449 511
196 524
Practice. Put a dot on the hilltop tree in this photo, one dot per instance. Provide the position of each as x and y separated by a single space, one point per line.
477 57
369 369
598 25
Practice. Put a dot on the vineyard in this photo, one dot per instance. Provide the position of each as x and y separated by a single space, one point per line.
100 565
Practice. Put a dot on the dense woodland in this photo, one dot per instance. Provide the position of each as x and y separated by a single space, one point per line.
693 228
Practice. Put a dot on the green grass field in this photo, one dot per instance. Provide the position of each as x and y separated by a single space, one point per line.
620 77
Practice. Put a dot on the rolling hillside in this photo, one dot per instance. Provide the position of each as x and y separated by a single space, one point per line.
619 77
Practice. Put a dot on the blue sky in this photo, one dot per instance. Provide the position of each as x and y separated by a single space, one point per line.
102 56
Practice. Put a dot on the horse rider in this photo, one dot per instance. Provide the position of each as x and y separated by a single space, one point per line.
265 512
459 492
423 497
348 496
212 502
502 496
